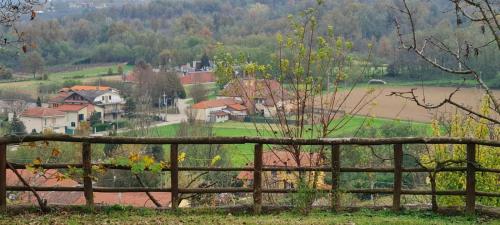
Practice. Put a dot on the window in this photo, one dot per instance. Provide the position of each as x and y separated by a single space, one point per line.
110 97
73 124
102 98
81 117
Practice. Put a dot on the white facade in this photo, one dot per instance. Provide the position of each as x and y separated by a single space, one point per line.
40 124
204 114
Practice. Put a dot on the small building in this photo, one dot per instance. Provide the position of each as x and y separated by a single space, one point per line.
39 119
218 110
75 114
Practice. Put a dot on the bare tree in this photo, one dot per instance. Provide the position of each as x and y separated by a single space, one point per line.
11 11
482 12
301 94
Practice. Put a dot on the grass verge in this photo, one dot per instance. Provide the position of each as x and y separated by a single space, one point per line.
126 215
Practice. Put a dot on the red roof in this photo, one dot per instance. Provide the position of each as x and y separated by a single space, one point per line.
89 88
237 107
282 158
59 98
71 107
214 103
49 179
198 77
42 112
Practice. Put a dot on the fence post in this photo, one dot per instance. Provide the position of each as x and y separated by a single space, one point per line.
87 172
3 178
174 175
398 177
335 177
257 180
470 188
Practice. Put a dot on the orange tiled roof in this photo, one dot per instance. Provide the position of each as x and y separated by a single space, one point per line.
214 103
49 179
198 77
90 88
71 107
237 107
42 112
282 158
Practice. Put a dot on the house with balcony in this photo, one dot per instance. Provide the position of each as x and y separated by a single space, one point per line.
105 98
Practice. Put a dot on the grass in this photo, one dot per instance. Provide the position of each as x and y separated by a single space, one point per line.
30 87
127 215
243 153
89 72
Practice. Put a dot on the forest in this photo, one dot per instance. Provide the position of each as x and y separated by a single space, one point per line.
172 33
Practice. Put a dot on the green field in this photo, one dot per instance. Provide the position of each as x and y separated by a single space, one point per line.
126 215
242 154
89 72
30 87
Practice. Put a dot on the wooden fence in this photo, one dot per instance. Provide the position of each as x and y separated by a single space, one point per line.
336 169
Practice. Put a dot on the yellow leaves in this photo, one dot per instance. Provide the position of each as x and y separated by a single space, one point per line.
134 157
37 161
55 152
181 157
148 161
98 169
216 159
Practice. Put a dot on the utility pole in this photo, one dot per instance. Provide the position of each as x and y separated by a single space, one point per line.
166 106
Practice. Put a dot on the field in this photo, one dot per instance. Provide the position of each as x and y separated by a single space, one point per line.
392 107
124 215
30 87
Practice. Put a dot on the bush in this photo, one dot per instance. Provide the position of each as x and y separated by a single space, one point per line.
5 73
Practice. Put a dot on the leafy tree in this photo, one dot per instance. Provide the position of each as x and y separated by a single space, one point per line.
120 69
34 63
130 107
5 73
110 71
199 93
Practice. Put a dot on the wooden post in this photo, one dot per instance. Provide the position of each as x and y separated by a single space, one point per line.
470 188
174 175
3 178
257 180
87 173
398 177
335 177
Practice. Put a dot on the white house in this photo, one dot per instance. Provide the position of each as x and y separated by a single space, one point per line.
40 119
77 113
109 100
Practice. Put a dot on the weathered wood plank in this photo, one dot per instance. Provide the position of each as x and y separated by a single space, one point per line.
87 174
398 177
257 180
470 188
174 175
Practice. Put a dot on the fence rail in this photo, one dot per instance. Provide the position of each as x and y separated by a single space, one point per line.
257 189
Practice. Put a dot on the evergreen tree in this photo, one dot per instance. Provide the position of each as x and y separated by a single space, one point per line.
205 61
39 102
17 126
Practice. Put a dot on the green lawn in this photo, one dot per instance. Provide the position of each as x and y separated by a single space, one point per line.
125 215
89 72
242 154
